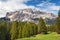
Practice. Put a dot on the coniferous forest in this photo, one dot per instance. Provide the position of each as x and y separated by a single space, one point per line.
17 29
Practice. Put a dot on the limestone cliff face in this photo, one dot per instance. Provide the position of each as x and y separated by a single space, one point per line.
29 15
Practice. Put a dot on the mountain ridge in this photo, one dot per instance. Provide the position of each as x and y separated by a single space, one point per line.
29 13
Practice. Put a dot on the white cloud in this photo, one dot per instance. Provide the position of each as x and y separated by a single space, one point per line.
54 7
48 6
12 5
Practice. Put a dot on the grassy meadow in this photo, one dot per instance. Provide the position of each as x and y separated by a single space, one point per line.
51 36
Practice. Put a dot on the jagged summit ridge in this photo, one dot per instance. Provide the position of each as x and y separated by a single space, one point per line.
29 15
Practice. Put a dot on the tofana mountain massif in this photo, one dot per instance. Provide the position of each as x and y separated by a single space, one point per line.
29 15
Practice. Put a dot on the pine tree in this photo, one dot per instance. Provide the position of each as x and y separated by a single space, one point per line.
31 29
7 26
35 29
3 31
25 31
59 13
20 28
13 31
41 26
58 23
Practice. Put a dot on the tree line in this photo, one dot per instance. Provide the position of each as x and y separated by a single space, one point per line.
15 30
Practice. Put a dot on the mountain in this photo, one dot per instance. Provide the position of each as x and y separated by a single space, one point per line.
29 15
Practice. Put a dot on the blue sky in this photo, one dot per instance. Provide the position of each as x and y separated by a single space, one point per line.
44 5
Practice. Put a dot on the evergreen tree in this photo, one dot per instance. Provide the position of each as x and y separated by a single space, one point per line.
25 31
41 26
7 26
20 27
51 28
3 31
35 29
58 23
32 28
13 31
59 13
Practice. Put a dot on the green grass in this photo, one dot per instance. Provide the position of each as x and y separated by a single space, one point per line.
51 36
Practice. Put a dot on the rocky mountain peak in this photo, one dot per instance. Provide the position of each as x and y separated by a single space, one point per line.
29 15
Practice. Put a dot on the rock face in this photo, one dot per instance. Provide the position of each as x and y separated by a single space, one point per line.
29 15
5 19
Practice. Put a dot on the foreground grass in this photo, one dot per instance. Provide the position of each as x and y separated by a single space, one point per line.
51 36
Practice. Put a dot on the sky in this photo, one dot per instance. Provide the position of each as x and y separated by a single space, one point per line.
51 6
